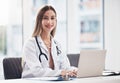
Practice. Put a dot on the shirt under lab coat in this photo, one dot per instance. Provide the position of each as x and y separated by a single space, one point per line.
32 67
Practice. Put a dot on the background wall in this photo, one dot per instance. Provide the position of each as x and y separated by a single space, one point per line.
112 33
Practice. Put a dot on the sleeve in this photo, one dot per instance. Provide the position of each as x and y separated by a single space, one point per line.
64 61
31 65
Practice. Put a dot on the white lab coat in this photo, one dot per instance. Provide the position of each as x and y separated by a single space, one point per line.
31 64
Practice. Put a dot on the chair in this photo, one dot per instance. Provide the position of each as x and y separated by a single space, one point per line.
12 68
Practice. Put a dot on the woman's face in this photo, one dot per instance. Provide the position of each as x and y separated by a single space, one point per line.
49 21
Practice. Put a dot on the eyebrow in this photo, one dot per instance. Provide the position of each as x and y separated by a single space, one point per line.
48 16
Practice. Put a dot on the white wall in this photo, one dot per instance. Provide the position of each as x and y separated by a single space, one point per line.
27 19
112 33
73 29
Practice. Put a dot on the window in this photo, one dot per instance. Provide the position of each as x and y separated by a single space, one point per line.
10 28
84 25
91 24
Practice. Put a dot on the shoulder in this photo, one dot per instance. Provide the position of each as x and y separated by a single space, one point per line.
29 42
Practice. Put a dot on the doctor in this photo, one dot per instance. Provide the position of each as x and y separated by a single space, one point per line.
42 54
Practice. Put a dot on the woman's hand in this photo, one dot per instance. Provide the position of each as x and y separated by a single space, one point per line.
63 72
72 73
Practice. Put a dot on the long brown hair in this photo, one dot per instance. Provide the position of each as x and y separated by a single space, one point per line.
38 25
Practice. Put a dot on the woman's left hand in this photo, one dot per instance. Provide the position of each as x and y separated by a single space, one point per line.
72 73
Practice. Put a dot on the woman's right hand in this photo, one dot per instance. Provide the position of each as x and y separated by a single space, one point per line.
63 72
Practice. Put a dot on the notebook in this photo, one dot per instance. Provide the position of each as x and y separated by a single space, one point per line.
91 63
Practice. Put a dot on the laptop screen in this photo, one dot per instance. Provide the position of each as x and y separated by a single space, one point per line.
91 63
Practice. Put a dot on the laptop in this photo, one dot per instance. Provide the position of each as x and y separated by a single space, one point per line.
91 63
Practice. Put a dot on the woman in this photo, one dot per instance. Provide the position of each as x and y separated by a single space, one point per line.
42 55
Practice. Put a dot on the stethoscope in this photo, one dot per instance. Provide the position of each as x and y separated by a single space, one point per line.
43 54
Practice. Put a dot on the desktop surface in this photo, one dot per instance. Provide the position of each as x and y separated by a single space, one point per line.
102 79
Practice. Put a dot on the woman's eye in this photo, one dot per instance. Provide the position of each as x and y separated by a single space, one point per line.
52 18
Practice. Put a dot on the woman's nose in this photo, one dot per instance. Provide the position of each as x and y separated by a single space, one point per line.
49 21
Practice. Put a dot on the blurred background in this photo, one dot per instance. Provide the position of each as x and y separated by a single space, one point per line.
82 24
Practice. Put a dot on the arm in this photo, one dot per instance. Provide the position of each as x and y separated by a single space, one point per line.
65 64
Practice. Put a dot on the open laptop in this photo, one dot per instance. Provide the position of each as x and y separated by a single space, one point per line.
91 63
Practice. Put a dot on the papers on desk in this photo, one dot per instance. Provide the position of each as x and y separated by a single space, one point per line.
50 78
110 73
43 78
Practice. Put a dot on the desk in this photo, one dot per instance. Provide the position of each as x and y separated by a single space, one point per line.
109 79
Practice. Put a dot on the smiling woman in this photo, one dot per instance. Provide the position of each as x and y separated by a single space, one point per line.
38 59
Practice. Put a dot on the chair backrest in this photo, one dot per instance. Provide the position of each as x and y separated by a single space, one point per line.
12 68
73 58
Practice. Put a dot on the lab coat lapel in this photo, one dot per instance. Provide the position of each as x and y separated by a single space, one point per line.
54 53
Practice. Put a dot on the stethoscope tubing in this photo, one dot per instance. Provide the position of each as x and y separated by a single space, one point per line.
41 53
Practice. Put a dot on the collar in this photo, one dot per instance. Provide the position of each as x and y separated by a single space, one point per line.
42 45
